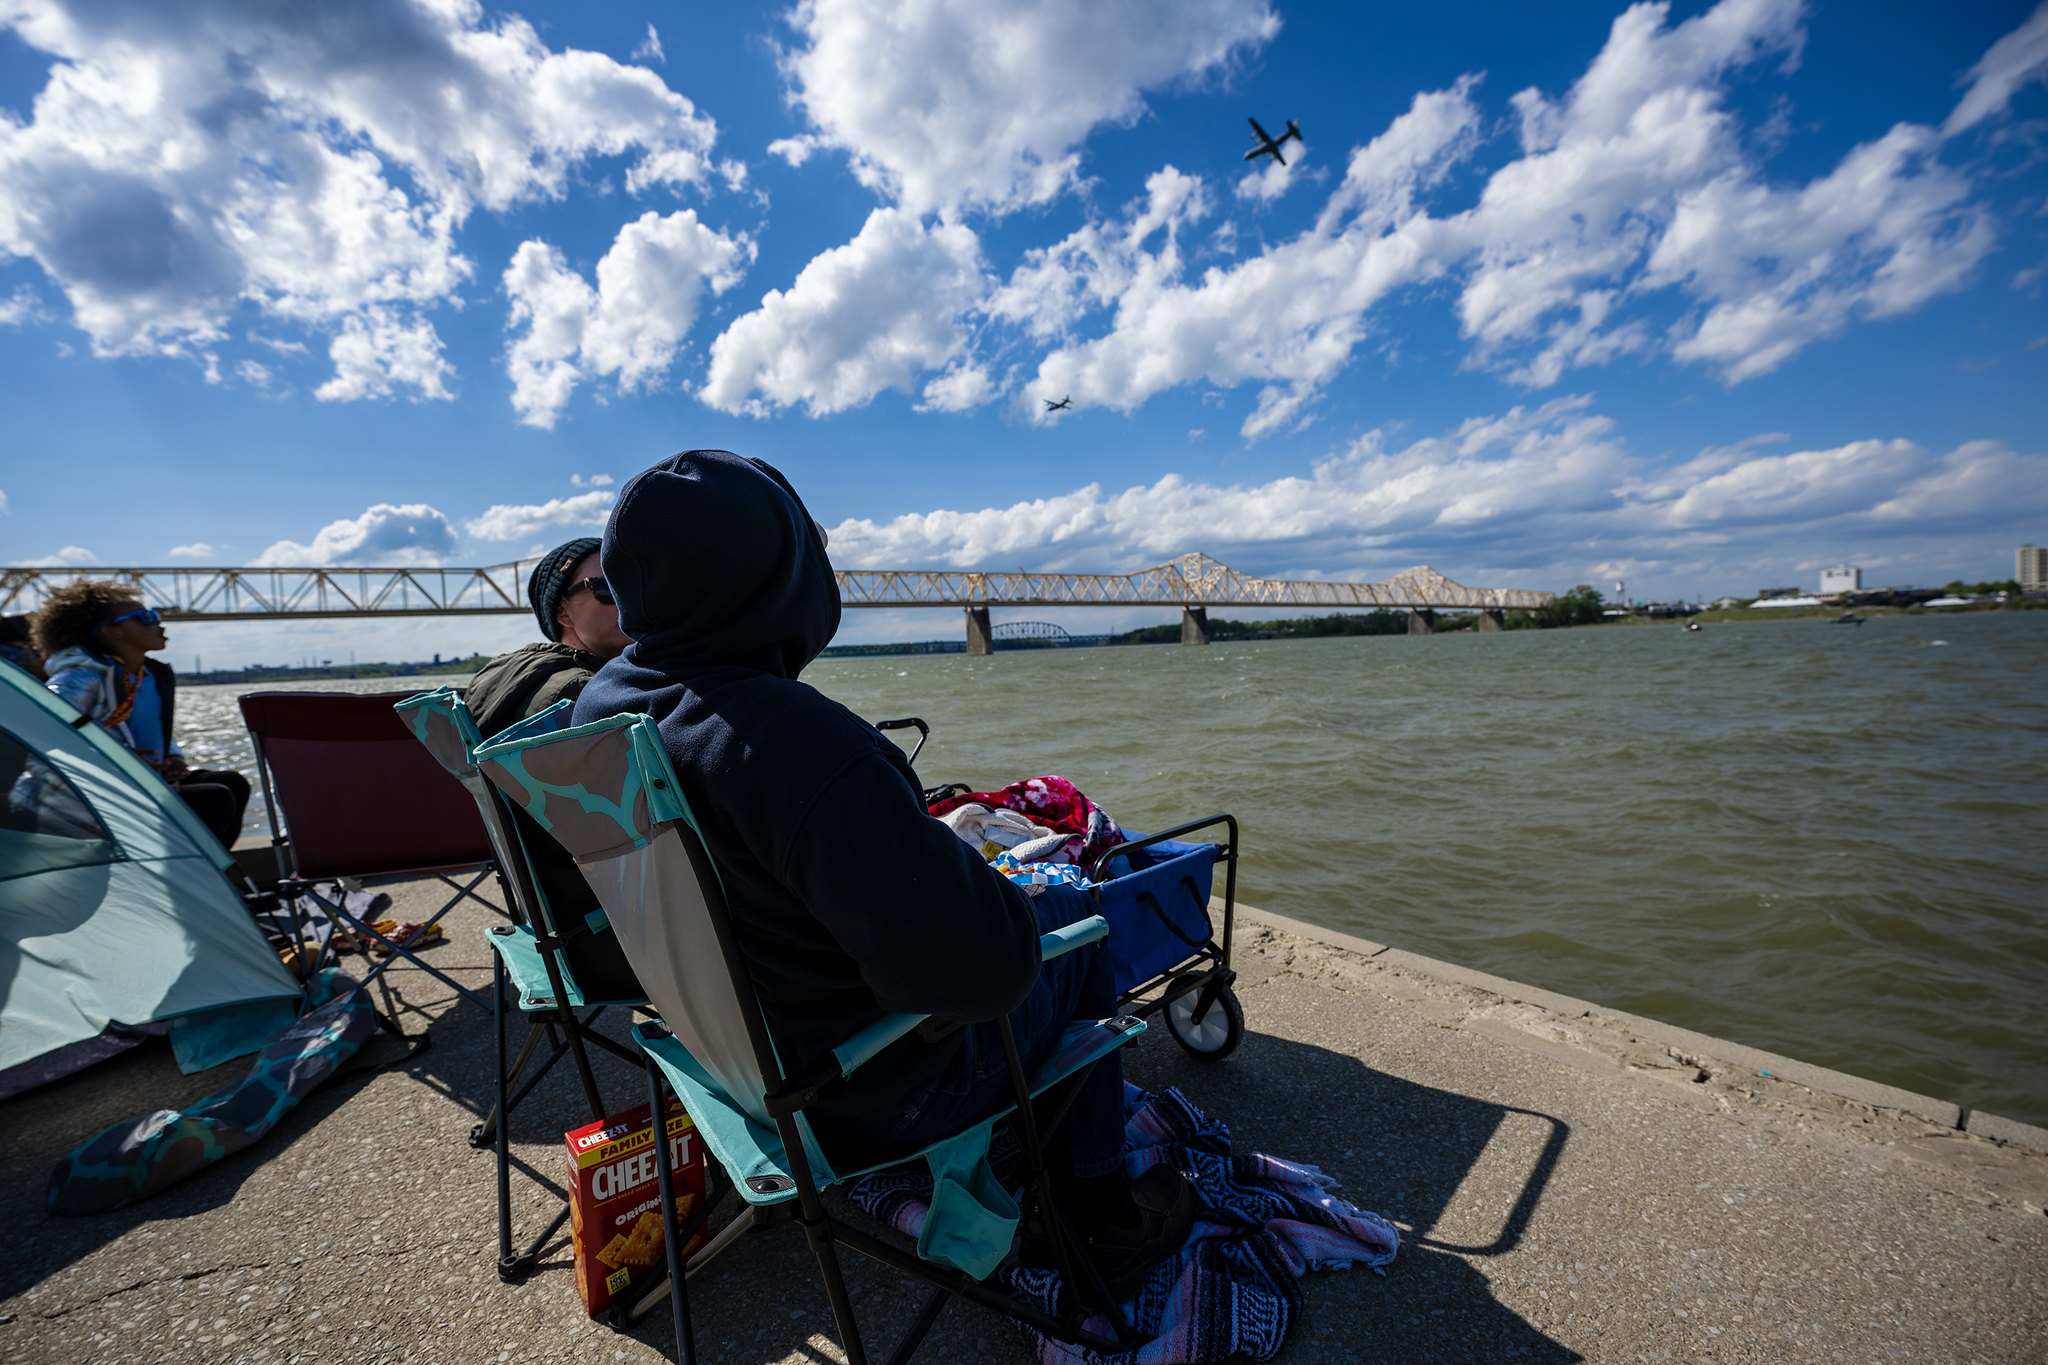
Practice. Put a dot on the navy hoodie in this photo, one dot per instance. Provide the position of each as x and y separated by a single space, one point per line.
848 900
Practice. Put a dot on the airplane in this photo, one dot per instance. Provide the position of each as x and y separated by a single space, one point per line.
1060 406
1270 146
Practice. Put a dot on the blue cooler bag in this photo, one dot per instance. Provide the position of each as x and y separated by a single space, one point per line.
1156 900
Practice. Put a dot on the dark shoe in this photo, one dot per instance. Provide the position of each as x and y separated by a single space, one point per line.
1125 1256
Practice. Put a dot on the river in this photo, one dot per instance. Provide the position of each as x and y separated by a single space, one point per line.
1827 841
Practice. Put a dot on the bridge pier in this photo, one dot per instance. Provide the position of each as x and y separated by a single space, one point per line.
980 635
1493 618
1421 621
1194 625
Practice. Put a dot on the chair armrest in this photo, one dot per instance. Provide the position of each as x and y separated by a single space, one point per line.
863 1046
1068 937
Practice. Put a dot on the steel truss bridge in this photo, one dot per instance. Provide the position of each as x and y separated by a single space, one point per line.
1192 581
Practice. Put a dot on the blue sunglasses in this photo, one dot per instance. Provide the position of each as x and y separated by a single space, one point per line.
149 616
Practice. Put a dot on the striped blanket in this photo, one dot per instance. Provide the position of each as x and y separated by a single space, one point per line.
1262 1223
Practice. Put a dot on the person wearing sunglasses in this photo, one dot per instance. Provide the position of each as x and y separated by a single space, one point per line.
574 606
97 637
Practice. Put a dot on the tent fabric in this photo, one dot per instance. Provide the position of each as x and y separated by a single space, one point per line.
136 923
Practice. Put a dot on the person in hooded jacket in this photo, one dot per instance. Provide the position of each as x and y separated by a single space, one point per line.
848 900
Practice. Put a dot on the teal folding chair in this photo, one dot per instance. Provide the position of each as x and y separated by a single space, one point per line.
549 960
607 793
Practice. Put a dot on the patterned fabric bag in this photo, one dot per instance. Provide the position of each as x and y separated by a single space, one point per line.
132 1161
1260 1225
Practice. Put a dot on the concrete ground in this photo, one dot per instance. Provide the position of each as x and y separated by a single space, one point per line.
1572 1186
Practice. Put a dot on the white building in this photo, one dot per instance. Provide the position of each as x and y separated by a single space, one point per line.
2032 569
1841 578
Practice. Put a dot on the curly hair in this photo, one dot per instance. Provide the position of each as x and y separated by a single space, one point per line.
71 614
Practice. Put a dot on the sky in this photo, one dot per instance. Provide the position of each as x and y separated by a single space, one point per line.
1699 297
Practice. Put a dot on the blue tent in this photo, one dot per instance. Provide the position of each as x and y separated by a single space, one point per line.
115 903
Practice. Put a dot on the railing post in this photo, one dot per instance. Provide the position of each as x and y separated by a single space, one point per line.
980 635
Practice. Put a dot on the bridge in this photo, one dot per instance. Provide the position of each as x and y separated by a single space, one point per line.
1193 582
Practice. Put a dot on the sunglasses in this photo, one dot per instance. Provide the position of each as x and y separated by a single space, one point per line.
599 589
149 616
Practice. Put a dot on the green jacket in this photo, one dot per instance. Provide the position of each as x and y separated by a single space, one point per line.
526 682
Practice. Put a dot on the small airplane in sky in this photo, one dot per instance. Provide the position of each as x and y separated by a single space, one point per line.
1060 406
1268 145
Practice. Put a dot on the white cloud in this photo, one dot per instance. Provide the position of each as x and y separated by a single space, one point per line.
1637 183
1550 490
860 318
383 536
22 308
592 481
1266 184
255 374
377 351
504 522
960 389
198 549
648 287
948 104
311 163
65 558
650 48
2018 59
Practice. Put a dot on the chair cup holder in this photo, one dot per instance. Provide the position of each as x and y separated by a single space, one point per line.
971 1223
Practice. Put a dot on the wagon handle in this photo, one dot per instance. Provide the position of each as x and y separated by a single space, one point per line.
1228 850
924 732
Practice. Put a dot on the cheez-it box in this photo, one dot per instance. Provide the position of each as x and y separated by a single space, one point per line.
615 1200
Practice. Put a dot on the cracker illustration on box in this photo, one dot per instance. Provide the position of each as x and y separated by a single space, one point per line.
615 1200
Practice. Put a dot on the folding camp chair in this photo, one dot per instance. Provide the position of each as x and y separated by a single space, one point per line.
607 793
354 802
555 968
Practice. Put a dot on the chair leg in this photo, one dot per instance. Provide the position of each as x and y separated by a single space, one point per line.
914 1337
679 1293
818 1231
503 1143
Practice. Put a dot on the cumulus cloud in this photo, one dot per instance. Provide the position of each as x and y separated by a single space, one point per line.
310 163
68 557
648 287
383 536
949 104
860 318
502 522
590 481
1633 216
1549 489
198 549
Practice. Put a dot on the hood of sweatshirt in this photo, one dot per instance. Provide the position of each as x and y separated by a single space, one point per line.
716 563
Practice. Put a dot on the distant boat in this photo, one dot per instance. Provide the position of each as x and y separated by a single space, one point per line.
1849 618
1692 625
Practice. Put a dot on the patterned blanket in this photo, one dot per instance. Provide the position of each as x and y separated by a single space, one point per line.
1262 1223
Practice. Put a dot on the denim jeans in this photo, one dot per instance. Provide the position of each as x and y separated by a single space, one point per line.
1075 985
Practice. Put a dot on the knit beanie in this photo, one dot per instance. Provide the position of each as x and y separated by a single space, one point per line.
544 586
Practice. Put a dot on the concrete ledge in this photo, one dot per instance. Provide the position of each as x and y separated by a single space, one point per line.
2019 1134
257 860
1821 1078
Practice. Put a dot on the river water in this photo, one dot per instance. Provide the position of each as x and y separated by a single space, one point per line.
1827 841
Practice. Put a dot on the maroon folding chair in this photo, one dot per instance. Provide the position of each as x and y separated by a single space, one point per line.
355 802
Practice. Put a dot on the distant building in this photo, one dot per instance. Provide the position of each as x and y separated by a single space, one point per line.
1777 592
2032 569
1841 578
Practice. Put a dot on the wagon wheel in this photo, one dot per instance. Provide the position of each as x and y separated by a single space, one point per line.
1218 1032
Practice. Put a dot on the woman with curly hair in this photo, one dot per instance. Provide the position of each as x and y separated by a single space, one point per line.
96 636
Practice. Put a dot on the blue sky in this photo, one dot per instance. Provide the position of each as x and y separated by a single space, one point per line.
1704 297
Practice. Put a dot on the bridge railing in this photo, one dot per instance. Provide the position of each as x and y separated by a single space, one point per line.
285 593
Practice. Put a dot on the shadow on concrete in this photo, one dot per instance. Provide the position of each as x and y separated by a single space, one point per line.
1463 1177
